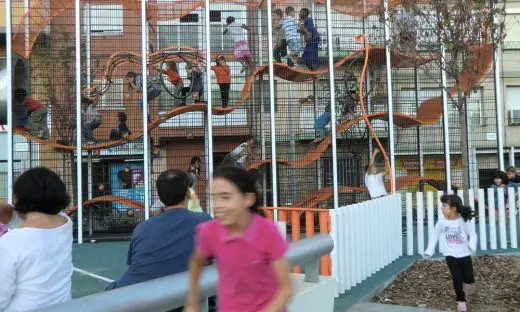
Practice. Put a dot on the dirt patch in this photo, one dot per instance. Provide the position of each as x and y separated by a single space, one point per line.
428 284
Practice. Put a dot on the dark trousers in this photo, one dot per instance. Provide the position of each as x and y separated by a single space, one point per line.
224 93
461 270
184 91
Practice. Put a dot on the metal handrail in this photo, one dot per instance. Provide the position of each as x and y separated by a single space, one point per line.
170 292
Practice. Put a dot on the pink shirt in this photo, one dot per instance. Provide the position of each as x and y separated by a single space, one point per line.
247 280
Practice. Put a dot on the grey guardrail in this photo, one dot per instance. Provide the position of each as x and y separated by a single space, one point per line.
170 292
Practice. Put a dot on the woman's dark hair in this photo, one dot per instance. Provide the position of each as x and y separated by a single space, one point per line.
501 175
121 116
40 190
195 159
172 186
230 19
245 181
86 100
454 201
278 12
304 12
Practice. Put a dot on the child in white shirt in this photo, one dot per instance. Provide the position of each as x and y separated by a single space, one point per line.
374 180
290 28
239 35
461 243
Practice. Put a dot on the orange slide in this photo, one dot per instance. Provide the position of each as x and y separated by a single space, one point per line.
200 107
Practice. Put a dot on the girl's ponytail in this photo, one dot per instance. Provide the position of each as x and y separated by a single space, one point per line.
454 201
466 213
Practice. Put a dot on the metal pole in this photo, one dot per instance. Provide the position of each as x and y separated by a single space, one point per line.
87 70
209 119
512 156
79 176
262 107
332 106
292 142
27 26
389 96
89 188
146 138
445 121
8 30
498 104
419 145
271 105
369 105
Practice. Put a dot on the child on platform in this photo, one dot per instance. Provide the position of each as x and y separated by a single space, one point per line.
312 39
239 35
280 44
374 180
223 74
290 28
135 83
461 243
248 249
122 131
92 119
196 87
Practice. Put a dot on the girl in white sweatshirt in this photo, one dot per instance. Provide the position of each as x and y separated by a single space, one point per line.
461 244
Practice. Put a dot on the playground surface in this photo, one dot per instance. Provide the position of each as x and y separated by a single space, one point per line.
97 264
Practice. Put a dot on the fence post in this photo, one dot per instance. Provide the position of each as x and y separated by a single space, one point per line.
482 219
420 223
312 271
502 218
333 215
440 216
352 272
430 214
512 218
340 272
472 205
409 225
492 219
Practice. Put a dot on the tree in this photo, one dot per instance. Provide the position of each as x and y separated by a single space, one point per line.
468 30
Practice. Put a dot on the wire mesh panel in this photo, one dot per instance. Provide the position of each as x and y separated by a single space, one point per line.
218 57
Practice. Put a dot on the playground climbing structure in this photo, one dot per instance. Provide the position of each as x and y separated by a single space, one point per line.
279 110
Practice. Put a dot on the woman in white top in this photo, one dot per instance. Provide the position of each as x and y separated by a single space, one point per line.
36 257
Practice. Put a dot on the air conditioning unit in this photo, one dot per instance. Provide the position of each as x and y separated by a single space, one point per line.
513 117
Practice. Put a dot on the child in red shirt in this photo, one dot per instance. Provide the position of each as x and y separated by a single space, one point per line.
223 74
248 249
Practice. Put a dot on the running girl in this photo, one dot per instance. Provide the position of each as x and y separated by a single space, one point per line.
248 249
458 248
239 35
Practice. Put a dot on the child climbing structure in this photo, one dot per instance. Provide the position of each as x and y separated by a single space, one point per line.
206 93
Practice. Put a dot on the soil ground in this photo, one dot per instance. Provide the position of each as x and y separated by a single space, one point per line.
428 284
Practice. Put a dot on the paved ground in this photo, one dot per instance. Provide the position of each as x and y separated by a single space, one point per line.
374 307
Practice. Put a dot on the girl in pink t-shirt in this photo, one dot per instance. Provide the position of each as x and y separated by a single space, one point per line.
248 249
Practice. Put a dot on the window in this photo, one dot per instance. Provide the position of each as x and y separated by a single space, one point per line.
105 19
512 24
349 171
113 99
512 98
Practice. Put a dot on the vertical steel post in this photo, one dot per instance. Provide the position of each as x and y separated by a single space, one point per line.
389 95
79 177
209 112
445 121
499 108
330 51
272 106
9 89
146 136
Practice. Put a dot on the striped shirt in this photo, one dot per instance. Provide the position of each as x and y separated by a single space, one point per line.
290 27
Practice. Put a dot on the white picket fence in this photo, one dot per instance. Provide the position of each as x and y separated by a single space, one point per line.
367 237
492 229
